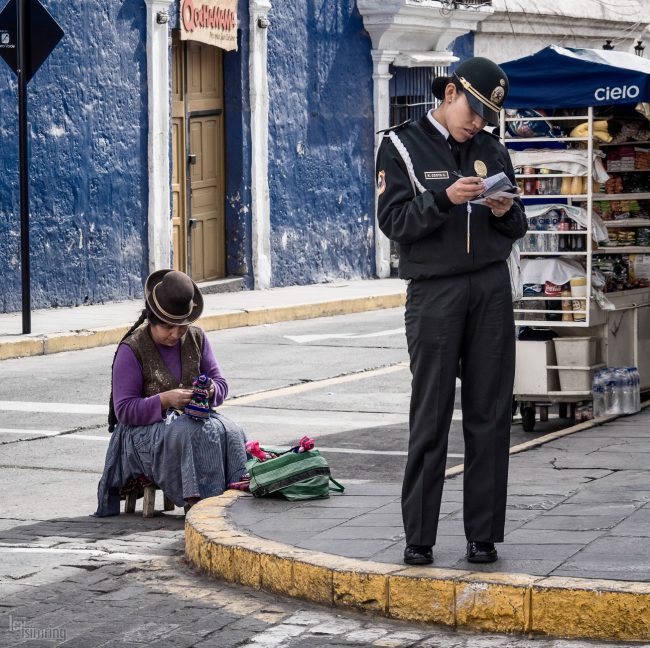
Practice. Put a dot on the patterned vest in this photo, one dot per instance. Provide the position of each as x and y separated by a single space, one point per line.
156 378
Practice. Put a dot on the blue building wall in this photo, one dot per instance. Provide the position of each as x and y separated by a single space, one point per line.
321 143
463 48
238 154
88 137
89 126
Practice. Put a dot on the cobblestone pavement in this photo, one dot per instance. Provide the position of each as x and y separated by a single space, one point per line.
86 583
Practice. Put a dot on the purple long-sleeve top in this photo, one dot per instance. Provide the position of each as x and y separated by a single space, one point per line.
131 407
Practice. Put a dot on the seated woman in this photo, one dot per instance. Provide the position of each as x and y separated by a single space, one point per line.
153 370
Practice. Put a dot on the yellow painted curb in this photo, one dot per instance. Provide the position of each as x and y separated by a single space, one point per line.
87 339
21 348
489 602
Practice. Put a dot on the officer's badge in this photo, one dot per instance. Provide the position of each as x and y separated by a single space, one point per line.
381 182
497 95
480 168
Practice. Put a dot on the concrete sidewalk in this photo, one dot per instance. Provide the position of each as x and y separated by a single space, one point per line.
575 561
83 327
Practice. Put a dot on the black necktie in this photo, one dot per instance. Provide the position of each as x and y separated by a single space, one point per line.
455 149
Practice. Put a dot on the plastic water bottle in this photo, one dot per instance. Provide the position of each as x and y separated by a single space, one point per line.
614 388
598 394
620 390
635 384
627 391
607 391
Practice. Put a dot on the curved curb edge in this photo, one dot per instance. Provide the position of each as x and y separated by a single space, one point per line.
487 602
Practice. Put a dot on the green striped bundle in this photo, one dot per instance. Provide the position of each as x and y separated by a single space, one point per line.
292 475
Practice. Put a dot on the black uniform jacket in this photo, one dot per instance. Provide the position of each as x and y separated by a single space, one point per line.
430 230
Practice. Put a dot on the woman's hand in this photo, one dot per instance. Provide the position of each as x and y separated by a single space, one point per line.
465 189
499 206
175 398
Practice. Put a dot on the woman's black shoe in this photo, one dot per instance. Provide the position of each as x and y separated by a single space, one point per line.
481 552
418 555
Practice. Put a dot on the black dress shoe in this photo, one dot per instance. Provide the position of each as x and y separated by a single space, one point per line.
481 552
418 555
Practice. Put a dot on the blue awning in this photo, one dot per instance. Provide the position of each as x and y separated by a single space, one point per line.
563 77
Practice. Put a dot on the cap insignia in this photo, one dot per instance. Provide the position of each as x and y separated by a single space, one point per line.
497 95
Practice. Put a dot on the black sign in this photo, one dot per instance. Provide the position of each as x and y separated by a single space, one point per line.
27 36
43 35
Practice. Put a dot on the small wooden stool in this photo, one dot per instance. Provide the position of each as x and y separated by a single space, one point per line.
148 501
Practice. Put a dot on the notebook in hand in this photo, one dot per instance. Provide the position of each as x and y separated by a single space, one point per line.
496 186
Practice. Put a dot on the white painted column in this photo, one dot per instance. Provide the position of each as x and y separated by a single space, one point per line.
259 100
381 98
159 171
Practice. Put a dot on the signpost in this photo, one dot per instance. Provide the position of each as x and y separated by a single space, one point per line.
28 34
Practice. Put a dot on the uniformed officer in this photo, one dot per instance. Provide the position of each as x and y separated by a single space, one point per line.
459 302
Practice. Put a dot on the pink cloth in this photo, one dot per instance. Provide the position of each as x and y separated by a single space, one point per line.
131 408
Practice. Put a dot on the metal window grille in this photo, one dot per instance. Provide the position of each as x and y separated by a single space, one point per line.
410 92
454 4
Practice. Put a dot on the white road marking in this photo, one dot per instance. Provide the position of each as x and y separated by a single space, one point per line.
303 339
87 437
287 418
53 408
35 432
78 408
91 553
316 419
314 384
394 453
106 437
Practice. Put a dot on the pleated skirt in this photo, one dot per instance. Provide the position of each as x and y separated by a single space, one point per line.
184 457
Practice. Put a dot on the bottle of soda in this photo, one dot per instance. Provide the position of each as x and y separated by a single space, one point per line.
553 290
578 241
564 225
530 185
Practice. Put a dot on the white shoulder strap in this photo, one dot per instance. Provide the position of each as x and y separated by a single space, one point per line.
401 149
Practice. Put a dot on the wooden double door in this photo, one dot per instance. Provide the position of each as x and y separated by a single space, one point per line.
198 160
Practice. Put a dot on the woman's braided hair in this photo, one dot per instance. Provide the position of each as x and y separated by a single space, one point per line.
146 314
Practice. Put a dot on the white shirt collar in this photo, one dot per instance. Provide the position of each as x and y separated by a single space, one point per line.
443 131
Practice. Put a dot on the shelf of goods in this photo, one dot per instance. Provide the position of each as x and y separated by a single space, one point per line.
620 328
557 159
549 240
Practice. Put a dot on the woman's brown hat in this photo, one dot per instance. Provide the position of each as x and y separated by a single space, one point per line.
173 297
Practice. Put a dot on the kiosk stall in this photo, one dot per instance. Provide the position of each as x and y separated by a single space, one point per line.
576 124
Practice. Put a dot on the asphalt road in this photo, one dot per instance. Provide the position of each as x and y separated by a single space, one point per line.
122 581
342 380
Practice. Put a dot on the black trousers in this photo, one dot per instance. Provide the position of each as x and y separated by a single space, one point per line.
466 318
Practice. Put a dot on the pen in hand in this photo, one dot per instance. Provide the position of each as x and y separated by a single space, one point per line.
458 174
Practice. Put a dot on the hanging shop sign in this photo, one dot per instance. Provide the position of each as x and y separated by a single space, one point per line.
213 22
